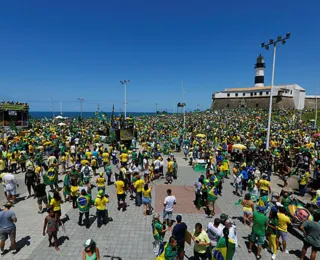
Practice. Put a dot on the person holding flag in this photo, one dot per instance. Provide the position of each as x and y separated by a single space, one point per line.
225 248
50 177
212 196
84 202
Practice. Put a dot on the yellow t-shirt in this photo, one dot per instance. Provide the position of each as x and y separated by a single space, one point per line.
105 157
37 170
146 193
170 166
2 176
123 157
100 181
264 185
56 205
100 203
138 185
74 190
120 187
283 222
88 155
2 165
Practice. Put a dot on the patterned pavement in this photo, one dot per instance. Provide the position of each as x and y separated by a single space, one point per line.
129 236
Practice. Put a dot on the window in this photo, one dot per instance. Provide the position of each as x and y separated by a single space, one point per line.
244 94
255 93
251 94
291 92
261 93
236 94
267 92
228 95
228 105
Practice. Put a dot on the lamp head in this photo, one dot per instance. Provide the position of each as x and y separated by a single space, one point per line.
288 35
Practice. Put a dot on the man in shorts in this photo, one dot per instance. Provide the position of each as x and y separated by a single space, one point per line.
8 228
258 233
311 230
284 221
11 186
41 195
168 203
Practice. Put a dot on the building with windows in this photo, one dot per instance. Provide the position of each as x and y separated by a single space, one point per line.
290 96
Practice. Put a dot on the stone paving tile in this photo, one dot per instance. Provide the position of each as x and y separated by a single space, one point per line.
129 235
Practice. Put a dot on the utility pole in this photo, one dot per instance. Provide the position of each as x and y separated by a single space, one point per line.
98 109
124 83
156 108
266 46
81 100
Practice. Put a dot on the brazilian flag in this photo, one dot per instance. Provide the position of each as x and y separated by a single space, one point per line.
222 251
50 176
84 203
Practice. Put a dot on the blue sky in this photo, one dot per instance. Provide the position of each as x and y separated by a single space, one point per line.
70 49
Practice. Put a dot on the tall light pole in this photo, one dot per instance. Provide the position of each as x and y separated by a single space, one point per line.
156 108
183 107
124 83
316 107
266 46
81 100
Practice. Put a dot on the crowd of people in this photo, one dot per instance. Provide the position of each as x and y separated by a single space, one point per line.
221 145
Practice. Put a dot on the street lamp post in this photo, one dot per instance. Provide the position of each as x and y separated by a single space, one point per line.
81 100
266 46
156 108
124 83
183 107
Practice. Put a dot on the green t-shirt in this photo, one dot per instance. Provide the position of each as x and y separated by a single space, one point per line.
259 223
170 253
134 156
312 229
273 222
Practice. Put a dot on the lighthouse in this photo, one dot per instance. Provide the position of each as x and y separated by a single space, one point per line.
259 67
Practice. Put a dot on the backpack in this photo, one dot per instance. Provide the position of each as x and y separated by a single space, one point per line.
29 174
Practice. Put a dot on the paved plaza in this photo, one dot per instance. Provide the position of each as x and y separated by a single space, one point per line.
129 236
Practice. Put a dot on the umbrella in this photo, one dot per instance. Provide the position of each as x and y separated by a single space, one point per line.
316 135
201 135
239 146
61 124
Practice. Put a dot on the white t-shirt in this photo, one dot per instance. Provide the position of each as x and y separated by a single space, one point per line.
10 181
73 149
214 233
169 201
76 141
156 164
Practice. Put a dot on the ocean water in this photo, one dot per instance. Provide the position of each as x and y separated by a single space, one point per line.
36 114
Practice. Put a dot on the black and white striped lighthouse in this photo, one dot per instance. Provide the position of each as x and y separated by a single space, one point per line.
259 67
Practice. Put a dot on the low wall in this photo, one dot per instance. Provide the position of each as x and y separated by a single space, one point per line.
310 103
254 102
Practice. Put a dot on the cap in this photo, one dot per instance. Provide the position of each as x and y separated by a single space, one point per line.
224 217
88 243
278 204
274 209
101 173
156 216
179 218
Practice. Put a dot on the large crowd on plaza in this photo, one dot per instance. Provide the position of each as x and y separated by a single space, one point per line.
219 145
